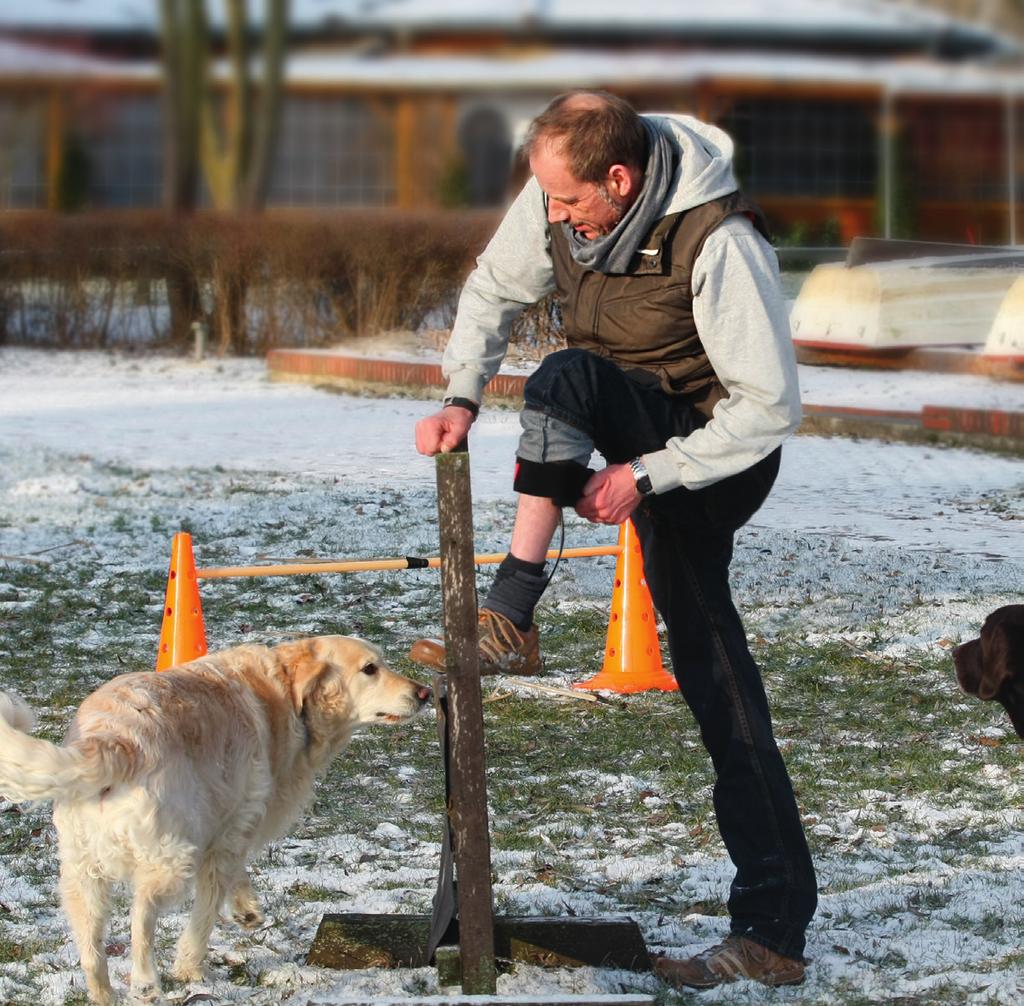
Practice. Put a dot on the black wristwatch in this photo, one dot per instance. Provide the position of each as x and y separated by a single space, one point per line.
463 403
640 476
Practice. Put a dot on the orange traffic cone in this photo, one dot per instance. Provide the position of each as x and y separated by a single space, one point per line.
182 635
632 656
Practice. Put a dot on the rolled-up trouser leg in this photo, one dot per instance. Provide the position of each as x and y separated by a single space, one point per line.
552 459
553 454
573 402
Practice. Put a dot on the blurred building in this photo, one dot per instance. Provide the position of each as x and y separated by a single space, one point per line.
850 116
1003 15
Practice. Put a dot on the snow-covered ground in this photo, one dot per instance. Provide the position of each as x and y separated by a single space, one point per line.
910 545
158 414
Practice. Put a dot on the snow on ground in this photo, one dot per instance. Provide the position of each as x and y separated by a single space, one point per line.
907 390
909 546
955 511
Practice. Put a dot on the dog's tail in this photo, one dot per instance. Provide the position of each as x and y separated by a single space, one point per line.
34 769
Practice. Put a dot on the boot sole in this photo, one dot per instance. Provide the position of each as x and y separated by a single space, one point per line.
430 653
664 970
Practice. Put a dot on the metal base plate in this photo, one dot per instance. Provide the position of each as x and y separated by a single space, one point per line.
400 941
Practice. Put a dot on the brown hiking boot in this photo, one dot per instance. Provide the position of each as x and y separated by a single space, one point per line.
734 958
504 649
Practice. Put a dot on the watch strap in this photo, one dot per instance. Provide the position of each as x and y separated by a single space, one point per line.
463 403
641 477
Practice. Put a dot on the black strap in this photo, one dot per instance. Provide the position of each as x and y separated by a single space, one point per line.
464 403
446 902
561 482
561 548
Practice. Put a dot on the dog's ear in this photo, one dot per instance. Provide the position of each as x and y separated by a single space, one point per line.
1002 645
303 667
967 662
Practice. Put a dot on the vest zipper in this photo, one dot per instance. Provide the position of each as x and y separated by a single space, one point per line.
598 299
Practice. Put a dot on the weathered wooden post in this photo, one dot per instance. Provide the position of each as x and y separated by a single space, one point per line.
467 807
366 941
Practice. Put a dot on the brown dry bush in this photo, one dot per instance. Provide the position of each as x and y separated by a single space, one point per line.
258 282
72 283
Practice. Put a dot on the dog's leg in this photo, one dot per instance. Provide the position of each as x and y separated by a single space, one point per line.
193 943
245 907
87 903
152 891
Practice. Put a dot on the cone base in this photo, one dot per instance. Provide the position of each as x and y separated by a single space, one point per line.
624 683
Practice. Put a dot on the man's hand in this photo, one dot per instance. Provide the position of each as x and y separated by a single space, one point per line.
609 496
443 431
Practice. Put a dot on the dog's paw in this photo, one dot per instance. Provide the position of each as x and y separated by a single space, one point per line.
185 970
248 918
145 994
245 908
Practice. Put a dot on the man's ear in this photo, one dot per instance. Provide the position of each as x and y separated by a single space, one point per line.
622 181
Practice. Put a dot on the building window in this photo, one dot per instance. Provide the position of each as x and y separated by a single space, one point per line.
804 148
22 154
122 143
487 154
956 153
333 152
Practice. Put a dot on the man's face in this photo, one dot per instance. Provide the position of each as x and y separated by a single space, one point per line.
591 209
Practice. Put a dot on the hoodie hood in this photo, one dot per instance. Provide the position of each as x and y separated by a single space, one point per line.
705 162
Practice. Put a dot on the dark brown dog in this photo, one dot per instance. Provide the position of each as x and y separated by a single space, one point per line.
992 667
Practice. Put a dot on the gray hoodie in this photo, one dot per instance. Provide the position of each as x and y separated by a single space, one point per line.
737 306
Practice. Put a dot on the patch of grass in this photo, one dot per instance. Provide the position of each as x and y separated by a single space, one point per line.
16 950
22 830
303 891
874 746
1009 962
878 724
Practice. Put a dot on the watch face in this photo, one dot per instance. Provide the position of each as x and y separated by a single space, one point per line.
640 476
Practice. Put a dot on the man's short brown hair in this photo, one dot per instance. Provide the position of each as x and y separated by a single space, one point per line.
594 129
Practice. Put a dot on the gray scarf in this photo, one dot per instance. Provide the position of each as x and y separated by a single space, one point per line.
613 252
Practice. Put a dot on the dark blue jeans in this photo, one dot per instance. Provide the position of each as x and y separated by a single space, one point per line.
687 540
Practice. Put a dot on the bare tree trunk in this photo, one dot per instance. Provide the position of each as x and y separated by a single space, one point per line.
238 130
182 58
267 121
230 286
239 126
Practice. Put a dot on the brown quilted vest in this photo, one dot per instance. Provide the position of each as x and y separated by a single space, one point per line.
644 319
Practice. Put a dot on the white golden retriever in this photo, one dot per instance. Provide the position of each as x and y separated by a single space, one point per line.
175 779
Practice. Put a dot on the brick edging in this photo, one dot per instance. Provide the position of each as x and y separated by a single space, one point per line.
324 364
328 365
989 422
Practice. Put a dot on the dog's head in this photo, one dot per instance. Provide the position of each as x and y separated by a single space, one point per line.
340 683
992 666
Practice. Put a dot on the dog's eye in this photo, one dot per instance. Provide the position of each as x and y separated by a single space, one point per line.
370 669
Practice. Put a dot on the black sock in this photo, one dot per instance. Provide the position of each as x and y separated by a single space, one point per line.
516 590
